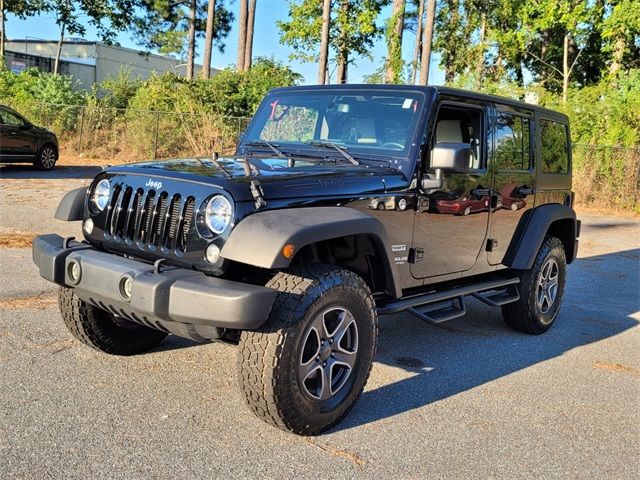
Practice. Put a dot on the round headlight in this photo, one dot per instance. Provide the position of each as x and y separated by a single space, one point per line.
101 194
218 214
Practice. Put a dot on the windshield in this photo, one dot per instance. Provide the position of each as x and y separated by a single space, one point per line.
367 124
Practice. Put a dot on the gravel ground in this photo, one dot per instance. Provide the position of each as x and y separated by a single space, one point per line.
469 398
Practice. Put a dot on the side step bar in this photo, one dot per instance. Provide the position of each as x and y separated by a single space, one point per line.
440 306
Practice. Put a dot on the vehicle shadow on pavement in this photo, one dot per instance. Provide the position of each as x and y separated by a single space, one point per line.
60 172
444 360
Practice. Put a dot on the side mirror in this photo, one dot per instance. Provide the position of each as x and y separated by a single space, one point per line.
449 156
25 126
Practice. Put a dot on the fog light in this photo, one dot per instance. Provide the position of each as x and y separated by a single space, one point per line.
74 272
88 226
402 204
126 285
212 254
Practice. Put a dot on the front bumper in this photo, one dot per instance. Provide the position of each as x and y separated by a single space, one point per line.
185 302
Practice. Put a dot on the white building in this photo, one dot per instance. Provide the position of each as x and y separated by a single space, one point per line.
89 62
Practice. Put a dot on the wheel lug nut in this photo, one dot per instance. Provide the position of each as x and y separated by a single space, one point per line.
324 364
318 358
333 355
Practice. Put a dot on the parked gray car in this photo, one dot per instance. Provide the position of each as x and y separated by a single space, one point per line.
23 142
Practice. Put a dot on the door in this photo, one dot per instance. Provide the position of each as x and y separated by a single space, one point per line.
451 221
16 141
514 176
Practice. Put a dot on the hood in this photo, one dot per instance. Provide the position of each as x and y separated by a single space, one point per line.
277 179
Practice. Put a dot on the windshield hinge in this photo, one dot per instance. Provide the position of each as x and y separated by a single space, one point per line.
258 194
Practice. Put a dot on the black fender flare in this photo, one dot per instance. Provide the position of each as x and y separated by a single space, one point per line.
531 230
258 239
71 207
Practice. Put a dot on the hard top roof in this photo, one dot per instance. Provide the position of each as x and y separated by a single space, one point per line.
428 90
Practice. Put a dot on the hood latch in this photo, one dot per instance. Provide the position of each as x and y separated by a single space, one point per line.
258 194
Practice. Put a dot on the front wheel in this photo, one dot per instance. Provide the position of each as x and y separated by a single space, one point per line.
541 290
305 368
46 158
102 330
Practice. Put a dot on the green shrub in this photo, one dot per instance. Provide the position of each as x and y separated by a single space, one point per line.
46 99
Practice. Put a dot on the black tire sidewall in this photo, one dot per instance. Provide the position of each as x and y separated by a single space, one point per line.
38 162
324 411
97 328
524 315
303 293
556 252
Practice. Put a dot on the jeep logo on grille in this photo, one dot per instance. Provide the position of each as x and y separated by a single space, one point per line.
153 184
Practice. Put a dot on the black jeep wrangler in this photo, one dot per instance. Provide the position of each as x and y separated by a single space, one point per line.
341 203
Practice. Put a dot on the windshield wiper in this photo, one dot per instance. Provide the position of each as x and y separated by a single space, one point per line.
263 143
336 147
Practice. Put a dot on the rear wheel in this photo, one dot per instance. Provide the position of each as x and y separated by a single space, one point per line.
104 331
305 368
541 290
46 158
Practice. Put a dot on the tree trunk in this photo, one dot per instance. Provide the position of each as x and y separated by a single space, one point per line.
480 63
544 47
343 66
208 39
324 42
1 34
618 54
497 73
191 48
427 42
248 52
519 73
394 43
242 35
565 68
343 51
418 44
56 64
450 67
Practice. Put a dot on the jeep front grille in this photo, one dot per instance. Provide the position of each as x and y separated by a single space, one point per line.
149 218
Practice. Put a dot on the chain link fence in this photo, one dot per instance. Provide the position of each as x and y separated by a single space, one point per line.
607 177
126 135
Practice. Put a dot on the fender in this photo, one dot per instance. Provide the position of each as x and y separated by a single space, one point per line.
533 227
259 238
71 207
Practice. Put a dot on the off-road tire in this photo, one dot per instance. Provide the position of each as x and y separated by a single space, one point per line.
268 357
46 158
97 328
525 314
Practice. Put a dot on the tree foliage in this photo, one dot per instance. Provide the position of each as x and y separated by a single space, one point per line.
354 29
163 25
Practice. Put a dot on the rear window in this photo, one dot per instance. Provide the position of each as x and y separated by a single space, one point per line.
512 142
555 147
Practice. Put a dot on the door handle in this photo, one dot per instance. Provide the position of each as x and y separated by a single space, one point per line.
482 192
524 191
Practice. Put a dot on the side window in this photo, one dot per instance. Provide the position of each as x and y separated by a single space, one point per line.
555 151
462 125
513 142
9 118
290 123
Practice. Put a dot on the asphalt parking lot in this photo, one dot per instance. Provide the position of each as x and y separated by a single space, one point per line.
469 398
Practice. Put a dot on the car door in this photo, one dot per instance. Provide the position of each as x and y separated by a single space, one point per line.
511 160
451 221
16 141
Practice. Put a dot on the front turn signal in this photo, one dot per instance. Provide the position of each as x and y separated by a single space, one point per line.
288 250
